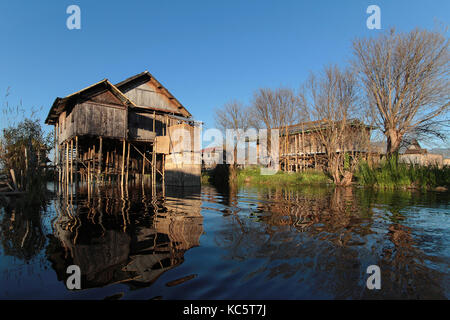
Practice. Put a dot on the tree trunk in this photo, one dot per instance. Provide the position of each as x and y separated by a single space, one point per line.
233 168
334 169
347 179
394 138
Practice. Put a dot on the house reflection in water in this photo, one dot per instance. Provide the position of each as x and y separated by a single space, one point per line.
123 238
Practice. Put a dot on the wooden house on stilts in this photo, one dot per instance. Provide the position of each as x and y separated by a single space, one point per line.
301 145
122 133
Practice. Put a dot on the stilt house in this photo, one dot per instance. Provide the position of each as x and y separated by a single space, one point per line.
121 132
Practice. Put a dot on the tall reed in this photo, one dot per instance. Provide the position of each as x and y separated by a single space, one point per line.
391 174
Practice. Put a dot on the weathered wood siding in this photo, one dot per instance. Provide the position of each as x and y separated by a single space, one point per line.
65 127
99 120
147 95
93 119
140 126
102 115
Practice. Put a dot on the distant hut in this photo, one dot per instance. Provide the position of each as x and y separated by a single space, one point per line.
108 131
416 155
415 148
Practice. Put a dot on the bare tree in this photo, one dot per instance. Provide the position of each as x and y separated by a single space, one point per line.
329 99
405 77
275 109
233 116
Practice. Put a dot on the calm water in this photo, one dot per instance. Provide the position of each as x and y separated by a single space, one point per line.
252 243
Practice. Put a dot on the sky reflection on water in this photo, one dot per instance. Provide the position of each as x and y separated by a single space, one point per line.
248 243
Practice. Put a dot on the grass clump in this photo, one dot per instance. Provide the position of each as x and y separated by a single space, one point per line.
391 174
252 175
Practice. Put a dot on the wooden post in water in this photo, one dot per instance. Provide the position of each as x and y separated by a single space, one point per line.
100 155
89 156
59 166
67 164
115 164
93 162
153 166
88 175
128 163
107 167
123 162
143 165
71 161
62 164
76 159
164 174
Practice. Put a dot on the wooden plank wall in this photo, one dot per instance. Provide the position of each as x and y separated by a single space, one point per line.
147 95
100 120
140 126
93 119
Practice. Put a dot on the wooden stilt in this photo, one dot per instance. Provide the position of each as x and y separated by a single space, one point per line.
67 164
71 161
163 173
76 159
107 167
93 162
59 165
128 163
100 156
88 175
143 166
115 162
123 162
153 166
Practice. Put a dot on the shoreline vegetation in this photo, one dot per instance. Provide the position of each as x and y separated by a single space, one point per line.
389 175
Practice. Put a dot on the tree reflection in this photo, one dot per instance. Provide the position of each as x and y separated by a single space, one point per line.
326 240
21 230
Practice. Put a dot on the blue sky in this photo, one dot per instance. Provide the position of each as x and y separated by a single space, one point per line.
204 52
